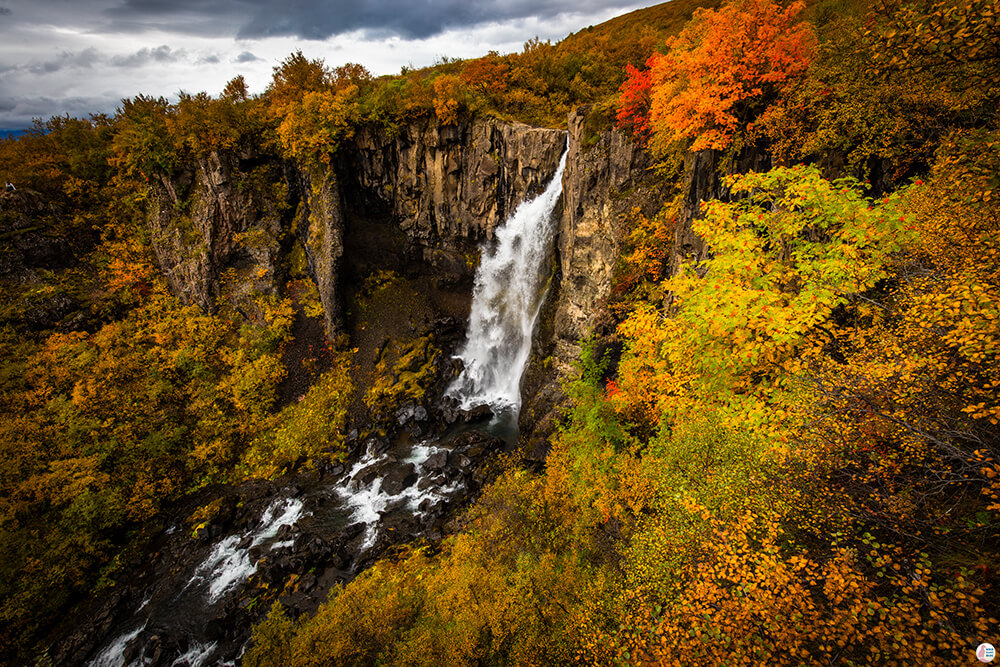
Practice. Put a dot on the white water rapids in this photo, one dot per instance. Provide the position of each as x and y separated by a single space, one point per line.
505 304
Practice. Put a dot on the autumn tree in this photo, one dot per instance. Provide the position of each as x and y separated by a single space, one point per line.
720 72
315 108
953 40
486 75
635 98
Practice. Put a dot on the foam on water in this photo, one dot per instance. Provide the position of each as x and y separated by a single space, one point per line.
229 564
196 655
368 502
114 654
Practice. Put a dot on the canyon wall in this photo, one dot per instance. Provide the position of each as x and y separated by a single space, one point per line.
420 202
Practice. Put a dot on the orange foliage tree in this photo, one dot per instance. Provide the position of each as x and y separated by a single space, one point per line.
719 73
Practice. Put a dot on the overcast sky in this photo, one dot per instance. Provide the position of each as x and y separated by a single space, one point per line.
83 56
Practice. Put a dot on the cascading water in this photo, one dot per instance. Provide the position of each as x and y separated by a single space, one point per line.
505 303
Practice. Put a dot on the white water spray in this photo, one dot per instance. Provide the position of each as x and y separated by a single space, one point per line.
229 564
505 304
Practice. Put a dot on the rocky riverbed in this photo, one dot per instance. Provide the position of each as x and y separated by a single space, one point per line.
202 587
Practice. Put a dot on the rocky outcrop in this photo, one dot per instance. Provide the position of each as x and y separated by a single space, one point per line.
320 226
216 228
444 187
703 181
446 182
38 245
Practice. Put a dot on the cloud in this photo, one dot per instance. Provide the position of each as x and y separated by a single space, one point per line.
146 56
4 11
321 19
19 111
246 57
211 59
86 58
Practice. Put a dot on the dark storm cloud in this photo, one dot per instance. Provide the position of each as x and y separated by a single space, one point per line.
246 57
319 19
4 11
19 111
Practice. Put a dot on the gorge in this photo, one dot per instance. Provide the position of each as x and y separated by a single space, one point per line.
338 521
673 340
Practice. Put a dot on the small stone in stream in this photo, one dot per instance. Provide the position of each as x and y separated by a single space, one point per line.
399 479
420 413
475 452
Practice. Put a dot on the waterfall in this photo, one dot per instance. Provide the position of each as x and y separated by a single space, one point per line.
506 300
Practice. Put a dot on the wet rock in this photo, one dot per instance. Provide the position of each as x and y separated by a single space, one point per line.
399 479
477 414
366 476
352 531
420 413
436 461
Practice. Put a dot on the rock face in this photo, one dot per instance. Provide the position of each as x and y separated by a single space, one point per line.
216 227
320 224
602 182
33 253
702 182
443 189
453 181
423 198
